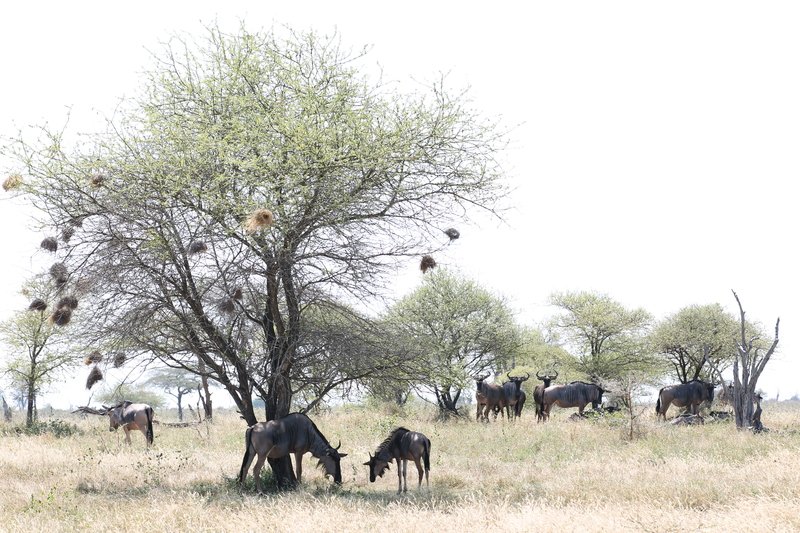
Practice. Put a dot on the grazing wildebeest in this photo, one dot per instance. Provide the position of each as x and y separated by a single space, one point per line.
690 394
576 394
294 433
401 445
514 395
490 397
132 416
538 394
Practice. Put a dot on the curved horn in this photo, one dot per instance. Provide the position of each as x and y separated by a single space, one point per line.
556 374
508 375
540 376
339 446
527 376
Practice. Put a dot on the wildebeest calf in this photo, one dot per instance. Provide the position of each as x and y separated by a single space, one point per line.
401 445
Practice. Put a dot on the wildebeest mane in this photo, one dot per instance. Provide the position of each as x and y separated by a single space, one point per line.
396 433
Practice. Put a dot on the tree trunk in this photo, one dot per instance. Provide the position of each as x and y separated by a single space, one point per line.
31 417
205 397
179 396
446 403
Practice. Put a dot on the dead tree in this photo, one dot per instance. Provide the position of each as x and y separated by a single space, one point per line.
747 368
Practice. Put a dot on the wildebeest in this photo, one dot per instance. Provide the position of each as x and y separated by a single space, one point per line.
401 445
576 394
490 397
129 415
132 416
690 395
294 433
514 395
538 393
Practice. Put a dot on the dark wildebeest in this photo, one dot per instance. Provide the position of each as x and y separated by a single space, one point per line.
690 395
401 445
294 433
576 394
132 416
490 397
538 394
514 395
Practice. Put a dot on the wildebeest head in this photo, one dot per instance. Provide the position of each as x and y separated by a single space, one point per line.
547 378
331 463
377 467
479 381
114 416
518 380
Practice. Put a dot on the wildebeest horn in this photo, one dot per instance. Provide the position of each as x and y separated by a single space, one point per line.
539 376
339 446
527 376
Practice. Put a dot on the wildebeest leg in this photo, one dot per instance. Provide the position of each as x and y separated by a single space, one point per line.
581 406
419 471
257 470
405 479
478 413
127 435
399 477
298 462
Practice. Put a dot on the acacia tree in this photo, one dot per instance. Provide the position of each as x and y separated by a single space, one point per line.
606 339
693 336
257 173
461 330
40 351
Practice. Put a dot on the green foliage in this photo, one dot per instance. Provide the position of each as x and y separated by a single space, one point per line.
461 329
133 393
355 173
57 428
685 338
606 339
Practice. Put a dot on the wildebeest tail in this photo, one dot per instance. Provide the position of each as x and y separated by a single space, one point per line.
658 403
149 413
242 471
426 455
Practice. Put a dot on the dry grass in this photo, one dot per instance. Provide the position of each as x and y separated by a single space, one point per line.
560 476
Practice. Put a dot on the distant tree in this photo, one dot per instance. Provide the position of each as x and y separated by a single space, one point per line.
130 392
39 348
176 383
694 336
462 329
606 339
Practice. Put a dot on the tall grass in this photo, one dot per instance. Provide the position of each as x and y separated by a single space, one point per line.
514 476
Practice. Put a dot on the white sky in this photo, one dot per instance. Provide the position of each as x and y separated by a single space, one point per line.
653 155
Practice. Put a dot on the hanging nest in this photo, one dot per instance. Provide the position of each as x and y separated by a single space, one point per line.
95 375
237 294
61 317
14 181
452 233
59 273
50 244
93 358
197 247
427 263
258 219
37 305
67 302
97 180
226 305
119 360
67 233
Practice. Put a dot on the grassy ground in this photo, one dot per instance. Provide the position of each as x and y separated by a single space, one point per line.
562 476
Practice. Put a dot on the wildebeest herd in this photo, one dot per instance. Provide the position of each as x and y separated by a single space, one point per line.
297 434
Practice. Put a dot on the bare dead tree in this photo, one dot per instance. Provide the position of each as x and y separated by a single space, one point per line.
747 368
